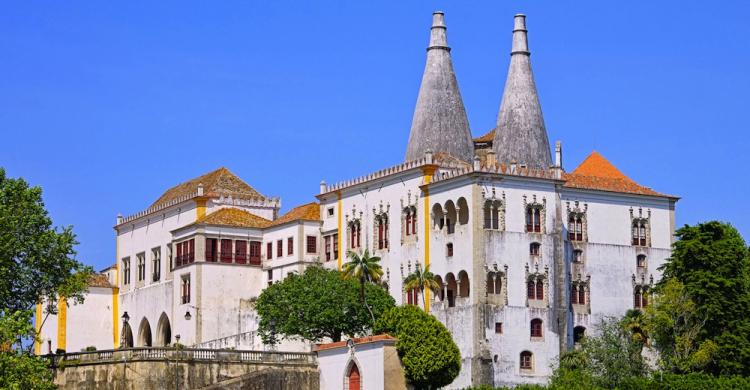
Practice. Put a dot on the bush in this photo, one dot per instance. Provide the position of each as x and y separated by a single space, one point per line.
90 348
430 356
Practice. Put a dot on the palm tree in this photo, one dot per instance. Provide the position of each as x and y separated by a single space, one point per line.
365 269
422 279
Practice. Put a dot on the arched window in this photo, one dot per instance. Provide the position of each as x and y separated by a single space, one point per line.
451 215
438 217
355 233
581 295
578 333
641 261
531 289
640 297
536 327
463 277
441 290
463 211
526 360
449 249
451 287
382 225
639 232
407 223
492 214
574 295
539 289
535 248
494 283
353 378
412 296
575 227
533 219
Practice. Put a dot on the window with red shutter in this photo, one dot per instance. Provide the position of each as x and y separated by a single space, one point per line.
240 251
574 295
539 289
335 246
312 244
290 246
178 259
536 328
581 296
211 250
269 251
254 253
191 250
279 248
327 243
531 290
226 251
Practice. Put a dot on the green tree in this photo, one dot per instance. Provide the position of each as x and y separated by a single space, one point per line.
603 361
711 261
316 305
367 270
19 370
673 326
430 357
37 261
422 280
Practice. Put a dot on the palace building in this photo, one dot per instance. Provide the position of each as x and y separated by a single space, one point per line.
529 256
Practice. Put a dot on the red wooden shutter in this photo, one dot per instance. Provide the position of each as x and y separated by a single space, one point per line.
269 251
530 290
240 249
226 251
539 289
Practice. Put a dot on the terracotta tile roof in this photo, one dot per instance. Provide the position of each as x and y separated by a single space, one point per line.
357 341
99 280
487 137
229 216
596 173
307 212
447 158
215 183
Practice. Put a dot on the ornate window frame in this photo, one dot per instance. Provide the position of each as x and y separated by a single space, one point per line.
537 276
635 222
577 284
351 222
535 205
578 212
493 211
497 298
381 215
409 209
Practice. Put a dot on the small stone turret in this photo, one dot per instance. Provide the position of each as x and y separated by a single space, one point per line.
440 121
520 134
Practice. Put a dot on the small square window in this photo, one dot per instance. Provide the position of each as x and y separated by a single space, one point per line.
330 211
498 328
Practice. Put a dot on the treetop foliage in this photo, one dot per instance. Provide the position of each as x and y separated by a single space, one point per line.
316 305
430 356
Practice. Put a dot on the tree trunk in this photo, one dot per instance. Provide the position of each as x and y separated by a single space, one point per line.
364 301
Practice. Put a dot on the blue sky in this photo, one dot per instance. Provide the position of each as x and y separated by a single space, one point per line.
105 106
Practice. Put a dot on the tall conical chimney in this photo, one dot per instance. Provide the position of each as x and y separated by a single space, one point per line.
520 134
439 122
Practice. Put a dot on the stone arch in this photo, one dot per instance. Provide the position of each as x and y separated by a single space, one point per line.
578 333
352 376
451 289
463 279
144 333
463 211
451 215
163 331
441 292
127 336
438 216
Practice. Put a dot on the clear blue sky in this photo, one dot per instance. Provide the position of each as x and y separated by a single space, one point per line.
106 106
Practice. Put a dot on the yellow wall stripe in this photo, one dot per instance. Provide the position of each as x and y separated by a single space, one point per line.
200 208
340 208
428 172
62 322
38 326
115 317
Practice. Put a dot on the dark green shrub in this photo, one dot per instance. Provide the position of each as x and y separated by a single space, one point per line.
430 356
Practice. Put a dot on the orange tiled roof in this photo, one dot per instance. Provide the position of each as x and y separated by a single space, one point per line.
596 173
229 216
307 212
358 340
487 137
215 183
99 280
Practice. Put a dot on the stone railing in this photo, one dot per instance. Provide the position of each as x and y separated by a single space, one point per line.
184 354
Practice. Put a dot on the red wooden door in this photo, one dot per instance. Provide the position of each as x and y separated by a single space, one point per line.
354 383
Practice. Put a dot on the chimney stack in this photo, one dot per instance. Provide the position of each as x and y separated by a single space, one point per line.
323 187
558 154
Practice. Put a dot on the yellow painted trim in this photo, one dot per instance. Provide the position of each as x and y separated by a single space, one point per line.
38 327
62 323
427 172
340 207
200 208
115 317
